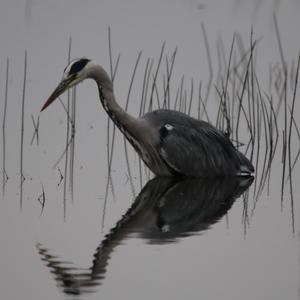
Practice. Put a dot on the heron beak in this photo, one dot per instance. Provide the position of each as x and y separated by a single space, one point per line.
62 87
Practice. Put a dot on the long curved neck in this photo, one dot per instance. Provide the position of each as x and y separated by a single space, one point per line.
125 122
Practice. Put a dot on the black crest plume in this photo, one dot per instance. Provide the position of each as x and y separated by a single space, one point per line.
78 65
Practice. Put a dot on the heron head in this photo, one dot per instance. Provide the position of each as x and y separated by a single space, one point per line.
75 72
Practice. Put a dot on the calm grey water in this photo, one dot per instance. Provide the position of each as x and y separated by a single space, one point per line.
161 239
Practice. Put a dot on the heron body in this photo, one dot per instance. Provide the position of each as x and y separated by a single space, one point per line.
170 143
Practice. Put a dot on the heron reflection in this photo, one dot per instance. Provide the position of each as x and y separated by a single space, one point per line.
164 211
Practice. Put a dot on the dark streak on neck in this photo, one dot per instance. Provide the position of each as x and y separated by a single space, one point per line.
116 121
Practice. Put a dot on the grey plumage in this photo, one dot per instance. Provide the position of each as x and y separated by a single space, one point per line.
196 148
169 142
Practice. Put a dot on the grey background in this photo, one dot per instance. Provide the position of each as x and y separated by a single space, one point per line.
259 260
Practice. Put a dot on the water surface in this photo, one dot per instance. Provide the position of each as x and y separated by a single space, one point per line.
145 239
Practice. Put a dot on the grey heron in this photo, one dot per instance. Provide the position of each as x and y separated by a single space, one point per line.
170 143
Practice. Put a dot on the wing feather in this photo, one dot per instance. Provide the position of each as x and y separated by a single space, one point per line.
201 151
191 147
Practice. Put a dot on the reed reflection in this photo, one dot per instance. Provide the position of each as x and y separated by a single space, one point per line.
164 211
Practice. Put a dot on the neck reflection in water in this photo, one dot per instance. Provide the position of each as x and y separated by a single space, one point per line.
164 211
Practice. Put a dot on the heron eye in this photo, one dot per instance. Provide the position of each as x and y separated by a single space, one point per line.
72 76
